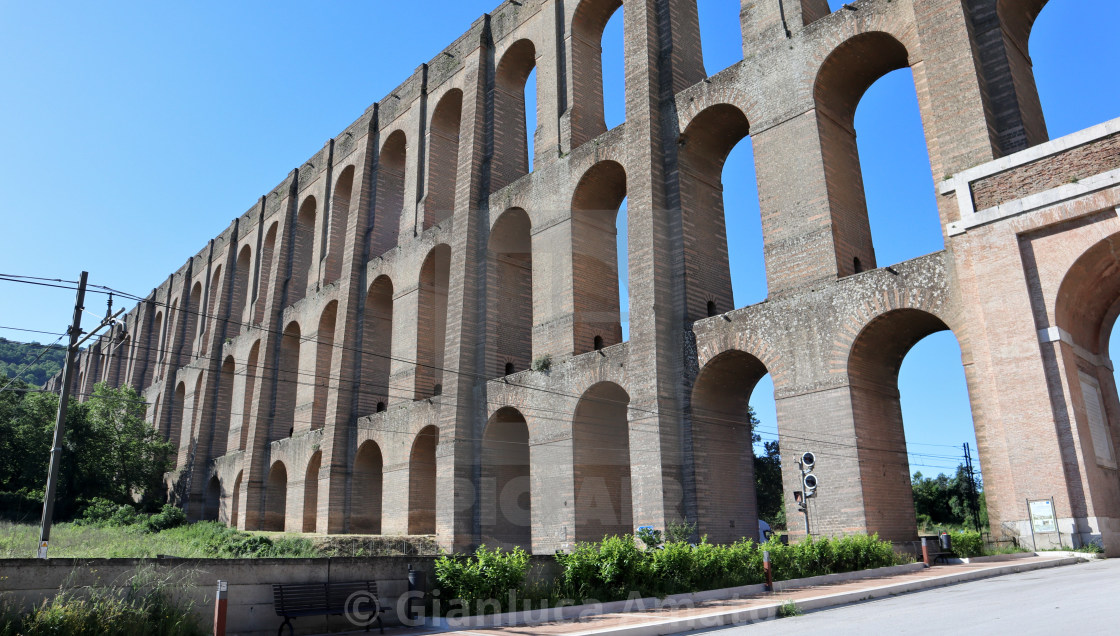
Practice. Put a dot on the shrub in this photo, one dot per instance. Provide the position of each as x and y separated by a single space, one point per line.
167 518
542 364
966 543
483 581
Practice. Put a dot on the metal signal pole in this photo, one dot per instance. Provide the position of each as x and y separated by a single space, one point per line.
60 419
973 501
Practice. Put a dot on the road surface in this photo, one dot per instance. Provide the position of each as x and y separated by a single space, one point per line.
1052 601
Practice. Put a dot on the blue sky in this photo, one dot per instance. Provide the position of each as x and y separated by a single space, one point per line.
133 132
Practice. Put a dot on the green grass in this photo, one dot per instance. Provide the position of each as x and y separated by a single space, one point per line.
205 539
200 540
144 605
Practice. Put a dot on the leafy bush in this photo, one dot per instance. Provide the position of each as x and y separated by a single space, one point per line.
617 567
169 517
966 543
484 580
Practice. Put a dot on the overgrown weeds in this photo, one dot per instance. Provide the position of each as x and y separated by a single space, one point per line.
143 605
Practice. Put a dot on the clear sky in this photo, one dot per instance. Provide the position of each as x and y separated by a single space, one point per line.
133 132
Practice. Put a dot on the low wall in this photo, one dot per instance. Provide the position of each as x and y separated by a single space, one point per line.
27 582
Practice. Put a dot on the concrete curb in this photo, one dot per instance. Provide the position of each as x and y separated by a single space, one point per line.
749 615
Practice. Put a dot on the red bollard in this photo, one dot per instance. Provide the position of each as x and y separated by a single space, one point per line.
767 571
925 552
220 601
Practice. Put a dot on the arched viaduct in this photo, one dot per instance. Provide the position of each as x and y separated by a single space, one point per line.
414 333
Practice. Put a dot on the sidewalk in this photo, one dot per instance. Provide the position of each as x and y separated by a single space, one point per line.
688 616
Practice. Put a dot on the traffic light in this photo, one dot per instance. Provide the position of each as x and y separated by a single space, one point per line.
808 479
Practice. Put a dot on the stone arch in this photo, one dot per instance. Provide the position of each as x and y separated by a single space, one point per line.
287 384
389 203
505 496
431 323
240 295
366 489
873 365
252 375
377 341
311 492
1085 313
211 308
511 144
212 500
723 456
334 239
588 22
175 426
705 145
601 453
195 319
224 408
157 331
443 158
510 287
324 364
1019 112
235 504
841 81
275 498
422 482
595 291
264 274
302 249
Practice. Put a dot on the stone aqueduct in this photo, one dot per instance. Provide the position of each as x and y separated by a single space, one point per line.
355 353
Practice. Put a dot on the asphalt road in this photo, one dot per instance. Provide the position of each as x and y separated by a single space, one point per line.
1083 597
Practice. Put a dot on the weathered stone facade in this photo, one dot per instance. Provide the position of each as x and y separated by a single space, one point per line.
414 334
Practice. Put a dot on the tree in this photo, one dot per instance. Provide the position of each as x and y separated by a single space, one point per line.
943 500
768 478
109 451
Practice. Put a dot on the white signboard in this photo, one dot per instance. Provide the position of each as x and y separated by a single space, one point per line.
1042 516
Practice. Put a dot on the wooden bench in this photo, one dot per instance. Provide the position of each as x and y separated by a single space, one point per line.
326 599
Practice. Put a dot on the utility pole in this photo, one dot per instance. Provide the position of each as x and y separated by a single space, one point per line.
973 499
75 333
60 419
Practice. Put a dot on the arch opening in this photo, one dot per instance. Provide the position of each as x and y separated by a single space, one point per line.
875 362
716 144
443 158
1086 308
303 240
841 85
224 408
287 384
510 286
324 363
431 324
235 501
377 337
601 453
264 275
212 501
251 375
596 278
723 435
597 54
275 498
389 205
240 291
366 489
335 229
175 426
311 492
506 502
422 482
512 137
